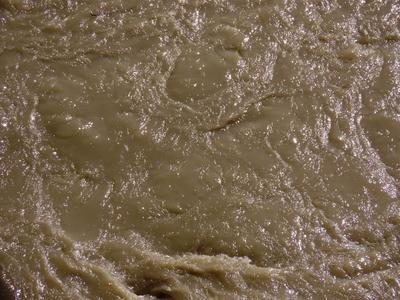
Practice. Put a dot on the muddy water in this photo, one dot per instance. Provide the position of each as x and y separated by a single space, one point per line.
199 149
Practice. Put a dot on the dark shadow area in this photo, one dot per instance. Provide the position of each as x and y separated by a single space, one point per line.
7 290
151 287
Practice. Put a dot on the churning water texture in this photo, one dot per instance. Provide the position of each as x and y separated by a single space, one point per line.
199 149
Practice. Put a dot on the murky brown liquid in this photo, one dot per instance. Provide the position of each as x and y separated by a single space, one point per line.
195 149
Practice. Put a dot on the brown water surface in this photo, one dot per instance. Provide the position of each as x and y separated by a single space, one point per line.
199 149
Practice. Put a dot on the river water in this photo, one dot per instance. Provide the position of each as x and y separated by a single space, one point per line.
198 149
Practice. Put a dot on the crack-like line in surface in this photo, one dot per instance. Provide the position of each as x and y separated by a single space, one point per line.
237 118
35 152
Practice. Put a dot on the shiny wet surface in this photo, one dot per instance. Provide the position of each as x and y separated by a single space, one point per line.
200 149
